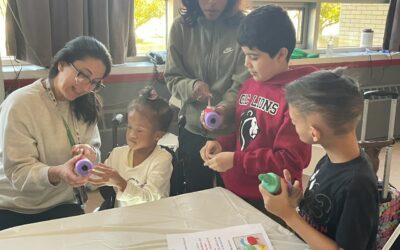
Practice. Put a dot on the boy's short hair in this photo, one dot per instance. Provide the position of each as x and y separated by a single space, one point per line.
269 29
331 94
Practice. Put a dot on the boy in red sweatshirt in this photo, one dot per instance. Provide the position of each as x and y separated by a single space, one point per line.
264 139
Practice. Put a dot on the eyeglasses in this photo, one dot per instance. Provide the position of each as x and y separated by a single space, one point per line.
83 79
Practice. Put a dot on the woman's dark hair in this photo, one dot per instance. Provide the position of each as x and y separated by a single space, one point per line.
153 106
86 107
330 93
191 10
269 29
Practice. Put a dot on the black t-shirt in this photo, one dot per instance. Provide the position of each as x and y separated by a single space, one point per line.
341 201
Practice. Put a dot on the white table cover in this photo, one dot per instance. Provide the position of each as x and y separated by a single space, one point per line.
145 226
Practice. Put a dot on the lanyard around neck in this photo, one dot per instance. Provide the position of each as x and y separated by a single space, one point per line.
50 93
69 134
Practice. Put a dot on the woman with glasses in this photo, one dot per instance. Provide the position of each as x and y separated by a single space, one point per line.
45 128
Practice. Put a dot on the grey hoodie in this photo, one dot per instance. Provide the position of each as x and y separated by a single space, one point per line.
209 52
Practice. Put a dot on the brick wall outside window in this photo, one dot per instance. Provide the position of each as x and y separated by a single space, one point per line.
356 17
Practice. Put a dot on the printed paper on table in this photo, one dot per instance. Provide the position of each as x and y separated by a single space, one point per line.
244 237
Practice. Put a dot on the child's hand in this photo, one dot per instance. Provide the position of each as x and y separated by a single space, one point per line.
282 205
85 149
220 162
105 175
220 110
296 194
209 150
294 190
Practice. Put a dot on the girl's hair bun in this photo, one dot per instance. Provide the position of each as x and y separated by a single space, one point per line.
148 93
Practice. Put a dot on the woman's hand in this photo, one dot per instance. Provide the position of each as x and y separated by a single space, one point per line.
86 150
106 175
67 174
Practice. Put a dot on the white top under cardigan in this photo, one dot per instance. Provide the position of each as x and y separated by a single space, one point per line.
148 181
32 138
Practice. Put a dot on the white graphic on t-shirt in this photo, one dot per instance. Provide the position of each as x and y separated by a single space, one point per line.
318 204
248 128
312 179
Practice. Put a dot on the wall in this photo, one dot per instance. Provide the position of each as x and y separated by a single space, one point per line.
123 86
384 78
372 71
371 75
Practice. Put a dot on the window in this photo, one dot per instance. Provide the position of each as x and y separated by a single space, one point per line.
297 13
343 23
340 22
316 22
150 25
3 51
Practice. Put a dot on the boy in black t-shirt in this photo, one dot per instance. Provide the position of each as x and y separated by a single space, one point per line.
340 205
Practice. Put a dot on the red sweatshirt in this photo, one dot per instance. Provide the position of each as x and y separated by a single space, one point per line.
264 139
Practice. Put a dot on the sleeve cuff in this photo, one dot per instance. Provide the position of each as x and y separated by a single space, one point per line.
44 177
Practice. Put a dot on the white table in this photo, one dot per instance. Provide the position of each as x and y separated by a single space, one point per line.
145 226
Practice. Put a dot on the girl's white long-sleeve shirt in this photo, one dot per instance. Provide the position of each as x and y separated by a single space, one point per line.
148 181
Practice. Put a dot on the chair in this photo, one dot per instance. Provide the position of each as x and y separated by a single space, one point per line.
394 240
389 197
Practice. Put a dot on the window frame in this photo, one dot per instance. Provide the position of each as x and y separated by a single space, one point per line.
170 5
317 6
301 6
310 23
320 1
